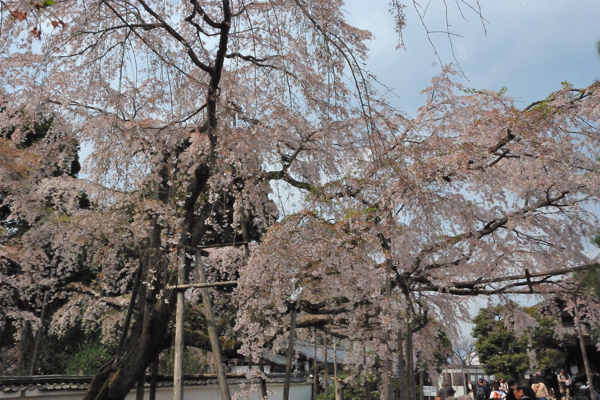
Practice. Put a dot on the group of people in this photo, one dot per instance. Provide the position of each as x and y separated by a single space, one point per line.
541 386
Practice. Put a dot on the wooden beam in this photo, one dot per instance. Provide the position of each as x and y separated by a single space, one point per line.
528 276
471 285
201 285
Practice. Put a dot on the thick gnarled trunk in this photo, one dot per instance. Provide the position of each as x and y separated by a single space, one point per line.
116 380
149 335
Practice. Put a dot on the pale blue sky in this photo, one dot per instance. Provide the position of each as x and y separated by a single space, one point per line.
528 46
531 46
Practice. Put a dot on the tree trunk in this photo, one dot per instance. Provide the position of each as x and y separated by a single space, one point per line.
152 395
116 380
290 355
25 350
212 330
148 338
38 336
586 363
145 303
134 293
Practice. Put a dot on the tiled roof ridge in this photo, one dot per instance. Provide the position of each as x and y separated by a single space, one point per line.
76 382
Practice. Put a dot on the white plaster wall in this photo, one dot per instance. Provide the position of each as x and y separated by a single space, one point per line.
298 391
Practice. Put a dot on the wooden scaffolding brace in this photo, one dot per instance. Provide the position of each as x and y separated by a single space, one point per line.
203 285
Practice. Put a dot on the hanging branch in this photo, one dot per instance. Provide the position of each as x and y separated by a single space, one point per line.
263 383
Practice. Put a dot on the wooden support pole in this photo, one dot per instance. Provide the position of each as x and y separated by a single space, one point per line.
212 330
401 374
315 369
179 329
387 369
150 267
290 355
528 277
338 386
139 391
421 383
325 354
410 369
387 362
38 335
586 363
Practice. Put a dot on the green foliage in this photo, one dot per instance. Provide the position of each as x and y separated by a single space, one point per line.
501 351
590 278
444 351
498 348
550 358
76 353
87 360
469 90
355 391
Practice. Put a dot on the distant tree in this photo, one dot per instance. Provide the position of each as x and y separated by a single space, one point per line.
507 339
463 351
549 348
498 348
39 165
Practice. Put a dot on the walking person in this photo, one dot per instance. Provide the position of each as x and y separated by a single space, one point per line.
482 392
469 387
564 382
540 390
496 393
552 381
